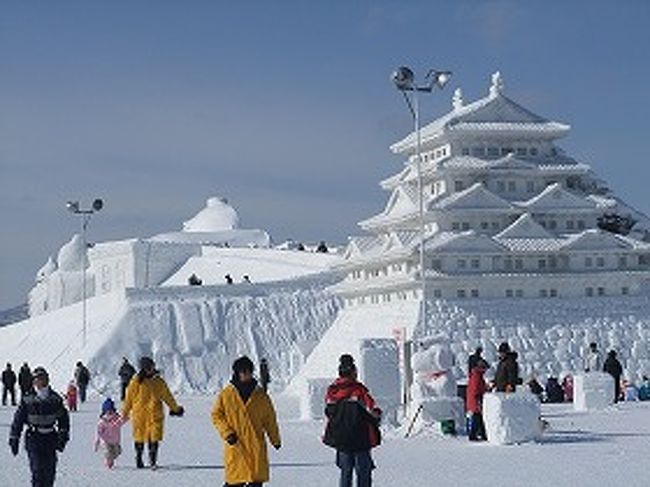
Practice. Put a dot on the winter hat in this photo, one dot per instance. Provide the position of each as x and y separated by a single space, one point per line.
108 405
40 372
504 347
346 365
146 362
243 364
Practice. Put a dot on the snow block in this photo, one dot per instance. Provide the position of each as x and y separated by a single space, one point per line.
592 391
379 370
316 391
437 409
511 418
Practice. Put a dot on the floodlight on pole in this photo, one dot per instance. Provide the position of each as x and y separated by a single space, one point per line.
75 207
404 80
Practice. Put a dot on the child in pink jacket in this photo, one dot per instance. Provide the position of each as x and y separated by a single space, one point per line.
108 432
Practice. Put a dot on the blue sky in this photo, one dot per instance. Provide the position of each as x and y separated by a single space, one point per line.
284 107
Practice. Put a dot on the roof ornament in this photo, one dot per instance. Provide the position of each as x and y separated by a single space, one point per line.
457 100
497 84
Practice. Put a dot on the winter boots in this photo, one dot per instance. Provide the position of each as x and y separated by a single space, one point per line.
153 455
139 450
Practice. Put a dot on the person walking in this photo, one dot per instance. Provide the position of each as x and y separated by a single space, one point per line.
82 378
126 373
476 389
8 385
25 380
614 368
593 359
265 375
244 417
506 377
143 404
352 424
48 429
108 435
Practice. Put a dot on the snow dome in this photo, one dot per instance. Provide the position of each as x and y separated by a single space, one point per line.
217 216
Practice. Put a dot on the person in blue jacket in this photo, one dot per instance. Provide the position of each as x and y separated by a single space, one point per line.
48 429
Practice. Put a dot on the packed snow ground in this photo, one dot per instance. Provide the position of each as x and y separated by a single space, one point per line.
580 449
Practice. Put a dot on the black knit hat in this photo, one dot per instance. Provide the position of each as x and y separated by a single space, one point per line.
40 372
243 364
146 362
346 365
504 347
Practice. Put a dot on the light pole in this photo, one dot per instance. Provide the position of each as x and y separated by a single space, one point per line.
74 207
404 80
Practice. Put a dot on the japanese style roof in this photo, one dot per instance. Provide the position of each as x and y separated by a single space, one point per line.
495 112
555 197
476 197
524 227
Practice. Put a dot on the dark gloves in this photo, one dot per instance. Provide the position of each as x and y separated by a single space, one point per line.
277 447
13 444
61 442
232 439
179 412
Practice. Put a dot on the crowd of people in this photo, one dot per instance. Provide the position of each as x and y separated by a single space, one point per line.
243 414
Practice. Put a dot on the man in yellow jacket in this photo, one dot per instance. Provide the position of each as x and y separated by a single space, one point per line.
143 404
243 414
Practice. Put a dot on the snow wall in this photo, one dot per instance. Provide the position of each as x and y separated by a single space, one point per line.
193 333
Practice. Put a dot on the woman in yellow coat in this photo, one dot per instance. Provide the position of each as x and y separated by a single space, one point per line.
243 414
143 404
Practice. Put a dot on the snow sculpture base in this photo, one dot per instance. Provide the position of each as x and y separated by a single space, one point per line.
433 411
511 418
379 370
592 391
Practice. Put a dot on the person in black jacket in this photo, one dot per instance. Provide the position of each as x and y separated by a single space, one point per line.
8 385
352 424
474 359
506 377
126 373
614 368
554 391
25 380
82 378
48 429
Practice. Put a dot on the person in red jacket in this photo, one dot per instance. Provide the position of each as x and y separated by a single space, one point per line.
352 424
476 389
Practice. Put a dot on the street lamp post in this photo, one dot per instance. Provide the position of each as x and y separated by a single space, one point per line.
404 80
74 207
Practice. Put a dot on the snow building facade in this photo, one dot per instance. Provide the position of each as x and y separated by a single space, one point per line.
508 214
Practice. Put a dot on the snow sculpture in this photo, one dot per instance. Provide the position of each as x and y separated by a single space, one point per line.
434 396
592 391
457 100
217 216
48 268
511 418
72 256
379 370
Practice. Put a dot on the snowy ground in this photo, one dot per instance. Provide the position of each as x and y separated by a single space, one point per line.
604 448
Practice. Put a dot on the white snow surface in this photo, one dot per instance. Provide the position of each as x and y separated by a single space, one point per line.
579 449
260 265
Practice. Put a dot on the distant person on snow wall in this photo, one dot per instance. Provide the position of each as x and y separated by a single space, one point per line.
126 373
265 375
82 378
352 424
244 417
144 406
48 429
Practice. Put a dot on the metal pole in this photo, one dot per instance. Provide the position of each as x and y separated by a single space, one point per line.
416 118
84 225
